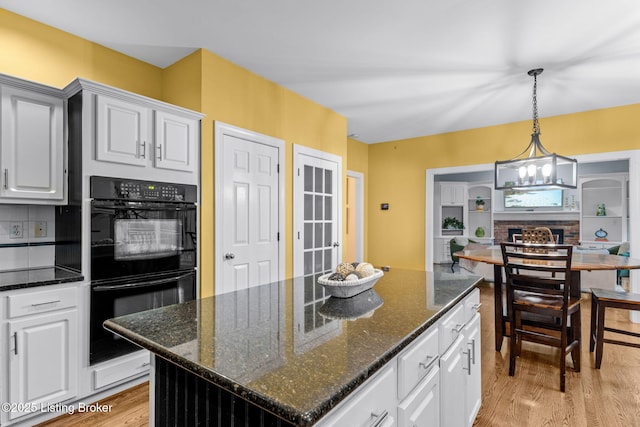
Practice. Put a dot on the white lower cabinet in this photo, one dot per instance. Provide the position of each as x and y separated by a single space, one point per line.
116 371
42 333
474 375
422 406
374 404
435 381
460 365
452 387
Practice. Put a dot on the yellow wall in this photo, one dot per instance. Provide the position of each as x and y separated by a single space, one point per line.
234 95
397 169
202 81
40 53
394 171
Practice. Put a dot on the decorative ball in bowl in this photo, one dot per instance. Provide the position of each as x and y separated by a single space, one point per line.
350 279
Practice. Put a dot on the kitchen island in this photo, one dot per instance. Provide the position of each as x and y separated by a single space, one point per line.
283 353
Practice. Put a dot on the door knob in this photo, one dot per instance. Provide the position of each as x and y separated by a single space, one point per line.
336 244
229 255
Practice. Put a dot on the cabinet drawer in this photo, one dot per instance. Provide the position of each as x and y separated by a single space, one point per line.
422 406
417 362
372 404
450 327
471 305
41 302
123 370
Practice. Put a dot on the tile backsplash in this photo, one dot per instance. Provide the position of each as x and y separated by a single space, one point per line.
27 236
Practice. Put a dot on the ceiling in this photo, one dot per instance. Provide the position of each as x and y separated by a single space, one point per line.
394 69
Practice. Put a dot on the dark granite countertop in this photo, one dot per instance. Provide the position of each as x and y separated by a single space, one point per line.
43 276
286 347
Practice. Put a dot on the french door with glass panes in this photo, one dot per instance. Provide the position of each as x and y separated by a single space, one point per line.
317 212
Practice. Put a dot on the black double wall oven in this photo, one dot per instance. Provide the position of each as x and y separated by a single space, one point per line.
143 253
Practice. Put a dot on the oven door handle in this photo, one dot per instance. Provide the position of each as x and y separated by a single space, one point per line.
103 288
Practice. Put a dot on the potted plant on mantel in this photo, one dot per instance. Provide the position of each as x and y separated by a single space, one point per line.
479 203
452 223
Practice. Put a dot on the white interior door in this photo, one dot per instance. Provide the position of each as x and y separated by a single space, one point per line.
355 216
249 214
317 212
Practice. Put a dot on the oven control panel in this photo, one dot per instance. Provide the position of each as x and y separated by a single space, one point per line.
128 189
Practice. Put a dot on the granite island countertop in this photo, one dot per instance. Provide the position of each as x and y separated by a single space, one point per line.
41 276
288 348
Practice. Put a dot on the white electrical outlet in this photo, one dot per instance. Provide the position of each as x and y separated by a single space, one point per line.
15 230
40 229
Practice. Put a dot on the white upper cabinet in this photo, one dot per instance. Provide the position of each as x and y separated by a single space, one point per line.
176 140
133 136
452 194
32 145
122 132
123 136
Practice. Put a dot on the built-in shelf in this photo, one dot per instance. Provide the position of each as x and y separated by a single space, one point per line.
611 192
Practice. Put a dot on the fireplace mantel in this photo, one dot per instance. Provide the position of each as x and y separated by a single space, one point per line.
538 215
570 227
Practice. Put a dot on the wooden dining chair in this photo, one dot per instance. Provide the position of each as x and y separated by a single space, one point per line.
538 283
539 235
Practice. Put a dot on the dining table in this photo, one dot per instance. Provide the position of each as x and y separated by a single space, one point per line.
580 261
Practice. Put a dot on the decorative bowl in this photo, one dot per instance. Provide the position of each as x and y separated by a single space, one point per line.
349 288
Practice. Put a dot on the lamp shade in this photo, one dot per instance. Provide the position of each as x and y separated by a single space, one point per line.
535 167
548 171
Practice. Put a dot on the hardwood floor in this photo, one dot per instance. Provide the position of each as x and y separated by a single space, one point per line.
606 397
129 408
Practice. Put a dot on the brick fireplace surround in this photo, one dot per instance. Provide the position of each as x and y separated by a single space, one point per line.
571 229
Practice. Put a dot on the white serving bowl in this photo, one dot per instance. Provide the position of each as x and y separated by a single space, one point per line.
349 288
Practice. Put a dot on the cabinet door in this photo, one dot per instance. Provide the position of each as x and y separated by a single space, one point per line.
43 363
176 140
422 407
452 383
452 194
374 403
473 374
32 156
122 133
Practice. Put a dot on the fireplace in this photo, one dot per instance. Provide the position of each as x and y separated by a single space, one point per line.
568 230
554 231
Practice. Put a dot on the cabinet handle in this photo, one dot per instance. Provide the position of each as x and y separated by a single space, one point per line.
378 419
15 342
473 351
429 362
38 304
6 179
476 307
468 368
458 328
144 149
159 151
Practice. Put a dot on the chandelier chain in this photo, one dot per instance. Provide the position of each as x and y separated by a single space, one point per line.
536 125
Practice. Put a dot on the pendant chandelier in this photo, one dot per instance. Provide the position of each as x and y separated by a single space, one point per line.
535 167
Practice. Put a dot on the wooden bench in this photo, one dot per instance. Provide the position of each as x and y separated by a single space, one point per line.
601 299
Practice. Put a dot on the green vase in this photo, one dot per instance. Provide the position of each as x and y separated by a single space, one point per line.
479 232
